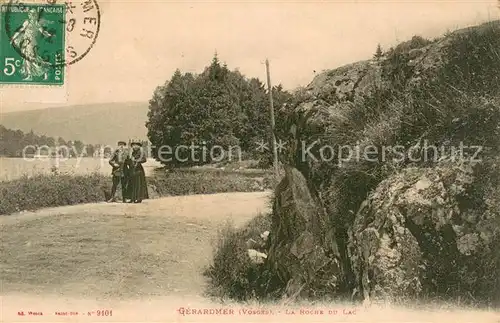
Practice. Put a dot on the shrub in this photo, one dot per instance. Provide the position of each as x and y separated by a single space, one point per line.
232 274
396 68
30 193
270 181
204 182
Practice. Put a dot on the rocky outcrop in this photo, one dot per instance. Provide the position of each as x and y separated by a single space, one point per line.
301 250
392 228
347 83
412 234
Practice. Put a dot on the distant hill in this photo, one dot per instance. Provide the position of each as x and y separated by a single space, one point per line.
103 123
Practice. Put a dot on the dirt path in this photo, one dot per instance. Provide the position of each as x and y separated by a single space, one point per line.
117 252
214 207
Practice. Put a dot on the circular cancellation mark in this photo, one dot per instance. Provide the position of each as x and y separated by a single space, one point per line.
54 32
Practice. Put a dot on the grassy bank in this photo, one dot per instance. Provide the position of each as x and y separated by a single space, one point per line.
30 193
51 190
188 182
232 275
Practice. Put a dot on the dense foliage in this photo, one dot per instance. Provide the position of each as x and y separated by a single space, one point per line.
219 107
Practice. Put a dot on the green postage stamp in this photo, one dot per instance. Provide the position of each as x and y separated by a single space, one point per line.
32 44
40 38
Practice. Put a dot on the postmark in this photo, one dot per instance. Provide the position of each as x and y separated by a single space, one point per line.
82 23
41 38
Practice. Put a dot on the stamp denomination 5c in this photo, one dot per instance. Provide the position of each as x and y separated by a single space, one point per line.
32 45
42 38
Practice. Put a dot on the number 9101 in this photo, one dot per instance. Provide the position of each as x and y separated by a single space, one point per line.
104 313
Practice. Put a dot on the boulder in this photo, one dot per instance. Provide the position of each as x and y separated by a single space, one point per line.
346 83
385 256
298 253
415 233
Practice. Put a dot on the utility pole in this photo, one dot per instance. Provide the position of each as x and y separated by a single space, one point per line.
271 107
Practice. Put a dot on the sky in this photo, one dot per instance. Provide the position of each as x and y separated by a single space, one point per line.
141 43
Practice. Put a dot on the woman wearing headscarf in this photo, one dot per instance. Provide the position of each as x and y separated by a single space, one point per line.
138 188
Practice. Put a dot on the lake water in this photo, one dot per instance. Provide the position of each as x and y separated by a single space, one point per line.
12 168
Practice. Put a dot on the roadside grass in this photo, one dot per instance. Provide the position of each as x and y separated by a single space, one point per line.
188 182
43 190
231 274
30 193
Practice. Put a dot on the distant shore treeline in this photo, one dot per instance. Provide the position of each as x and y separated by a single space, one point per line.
16 143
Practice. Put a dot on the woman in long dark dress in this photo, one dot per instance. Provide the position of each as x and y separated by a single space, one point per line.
138 188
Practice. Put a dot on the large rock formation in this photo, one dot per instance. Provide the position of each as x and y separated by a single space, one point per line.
392 229
411 233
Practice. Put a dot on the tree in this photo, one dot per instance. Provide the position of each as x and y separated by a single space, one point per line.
61 141
78 147
217 107
378 52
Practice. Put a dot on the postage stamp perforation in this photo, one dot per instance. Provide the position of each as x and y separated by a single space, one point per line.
43 37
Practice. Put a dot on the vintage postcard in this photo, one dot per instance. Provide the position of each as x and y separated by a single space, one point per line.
249 161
